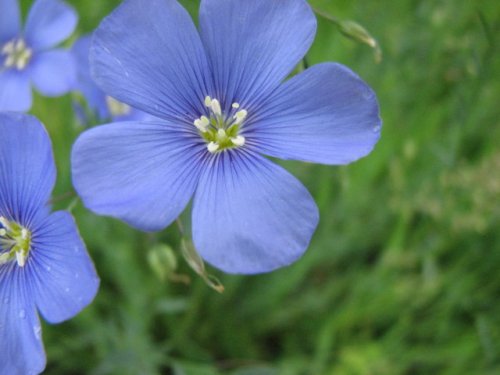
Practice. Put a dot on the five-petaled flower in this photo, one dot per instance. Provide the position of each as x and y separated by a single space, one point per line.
28 56
101 106
44 265
222 104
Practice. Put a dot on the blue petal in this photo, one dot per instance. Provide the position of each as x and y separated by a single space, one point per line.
53 72
15 91
326 114
64 280
148 54
143 173
251 216
10 20
254 45
49 23
21 345
27 170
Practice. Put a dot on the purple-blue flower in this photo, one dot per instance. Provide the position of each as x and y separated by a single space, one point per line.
222 104
28 56
44 265
103 107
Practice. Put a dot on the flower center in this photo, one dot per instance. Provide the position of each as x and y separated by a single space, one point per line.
15 242
16 54
221 131
117 108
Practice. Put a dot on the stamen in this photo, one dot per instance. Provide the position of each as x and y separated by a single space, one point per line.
202 124
20 258
240 116
238 141
215 105
8 48
20 45
23 60
236 105
5 223
212 147
208 101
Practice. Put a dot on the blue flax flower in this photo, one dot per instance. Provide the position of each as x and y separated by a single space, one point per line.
102 106
44 265
223 104
28 56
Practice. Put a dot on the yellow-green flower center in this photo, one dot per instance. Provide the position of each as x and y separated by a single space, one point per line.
220 131
16 54
15 242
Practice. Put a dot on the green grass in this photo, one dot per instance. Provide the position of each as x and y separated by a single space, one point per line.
402 276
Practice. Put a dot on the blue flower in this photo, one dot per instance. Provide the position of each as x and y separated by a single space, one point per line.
28 56
44 265
102 106
223 104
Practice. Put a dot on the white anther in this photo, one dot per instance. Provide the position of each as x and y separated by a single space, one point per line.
215 105
20 45
202 124
212 147
238 140
5 223
8 48
24 233
9 62
21 258
208 101
240 116
236 105
3 232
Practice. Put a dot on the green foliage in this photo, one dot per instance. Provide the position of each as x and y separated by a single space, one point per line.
402 276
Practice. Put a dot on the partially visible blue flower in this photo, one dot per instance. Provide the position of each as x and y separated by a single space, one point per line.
28 56
44 265
222 104
102 106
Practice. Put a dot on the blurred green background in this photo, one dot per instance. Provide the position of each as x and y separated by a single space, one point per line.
403 273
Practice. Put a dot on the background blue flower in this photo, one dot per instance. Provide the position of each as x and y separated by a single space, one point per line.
101 106
222 103
28 56
44 265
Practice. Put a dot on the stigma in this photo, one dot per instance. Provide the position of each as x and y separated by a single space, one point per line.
16 54
15 242
221 131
